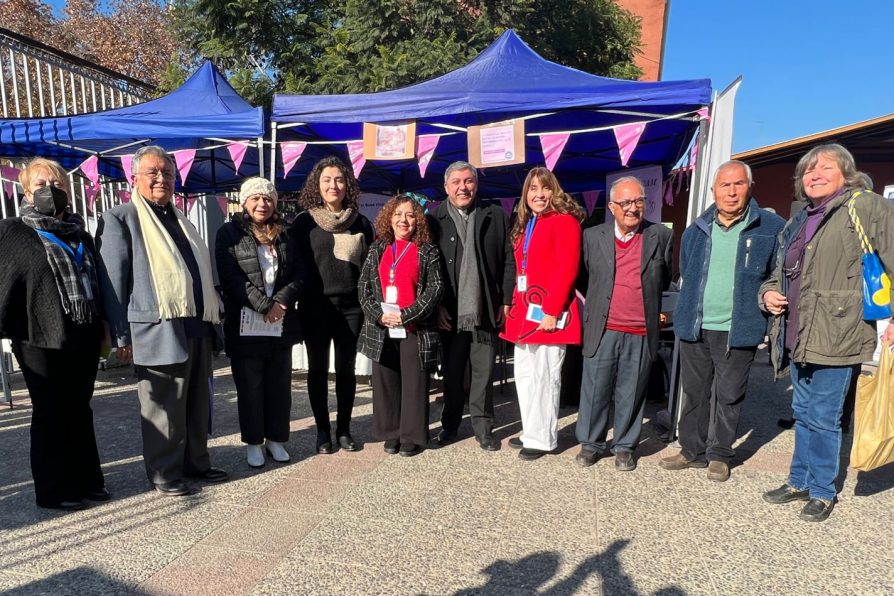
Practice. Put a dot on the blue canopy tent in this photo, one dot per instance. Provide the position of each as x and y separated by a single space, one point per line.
508 80
205 114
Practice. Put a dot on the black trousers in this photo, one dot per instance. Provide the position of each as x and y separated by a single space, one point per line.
460 349
264 395
323 323
64 457
709 419
400 393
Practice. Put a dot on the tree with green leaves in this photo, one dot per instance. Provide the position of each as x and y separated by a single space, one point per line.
354 46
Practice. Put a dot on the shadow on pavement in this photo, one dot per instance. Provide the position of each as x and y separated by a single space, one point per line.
536 570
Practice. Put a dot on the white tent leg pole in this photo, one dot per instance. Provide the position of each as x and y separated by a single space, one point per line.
261 157
272 151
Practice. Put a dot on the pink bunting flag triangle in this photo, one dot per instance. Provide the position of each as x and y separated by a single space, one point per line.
627 137
668 193
184 159
291 153
10 175
355 151
591 197
223 203
425 150
90 168
90 193
237 153
552 146
507 204
127 166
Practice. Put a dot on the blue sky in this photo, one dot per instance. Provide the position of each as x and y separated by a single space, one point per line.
807 66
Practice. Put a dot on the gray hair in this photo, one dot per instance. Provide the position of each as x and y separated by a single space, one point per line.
622 180
151 150
730 163
845 161
459 166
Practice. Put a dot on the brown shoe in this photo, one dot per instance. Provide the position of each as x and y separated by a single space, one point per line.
718 471
678 462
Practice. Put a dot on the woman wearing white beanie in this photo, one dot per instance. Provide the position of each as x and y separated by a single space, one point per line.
260 274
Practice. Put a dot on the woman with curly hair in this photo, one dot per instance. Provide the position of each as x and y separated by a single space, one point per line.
402 270
333 239
544 316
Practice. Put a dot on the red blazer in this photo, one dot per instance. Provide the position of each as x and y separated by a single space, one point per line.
552 267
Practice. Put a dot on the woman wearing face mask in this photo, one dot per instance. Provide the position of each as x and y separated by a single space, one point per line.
49 308
544 316
403 270
260 273
333 241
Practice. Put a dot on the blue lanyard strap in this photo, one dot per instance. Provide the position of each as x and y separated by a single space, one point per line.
396 259
529 231
77 256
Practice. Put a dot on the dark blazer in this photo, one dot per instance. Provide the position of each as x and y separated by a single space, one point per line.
242 281
599 261
30 306
421 313
496 262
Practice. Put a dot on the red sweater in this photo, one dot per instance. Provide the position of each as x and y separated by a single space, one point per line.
406 274
626 312
552 267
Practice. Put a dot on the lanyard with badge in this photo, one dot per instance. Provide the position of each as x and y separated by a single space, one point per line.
78 259
391 288
522 280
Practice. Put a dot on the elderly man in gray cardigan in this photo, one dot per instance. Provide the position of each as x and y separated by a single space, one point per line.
160 304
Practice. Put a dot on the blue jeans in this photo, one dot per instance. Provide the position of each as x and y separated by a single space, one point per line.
817 402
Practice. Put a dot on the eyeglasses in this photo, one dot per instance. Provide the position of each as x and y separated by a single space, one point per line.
794 271
153 174
625 205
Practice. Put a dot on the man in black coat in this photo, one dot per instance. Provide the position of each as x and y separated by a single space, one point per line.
628 263
480 276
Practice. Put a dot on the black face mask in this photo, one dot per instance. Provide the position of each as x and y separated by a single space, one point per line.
50 200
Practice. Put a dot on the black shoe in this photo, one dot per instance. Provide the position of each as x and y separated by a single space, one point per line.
817 510
516 443
71 505
530 454
409 449
347 443
444 438
586 457
624 461
785 423
211 475
100 495
391 446
785 494
324 443
489 443
175 488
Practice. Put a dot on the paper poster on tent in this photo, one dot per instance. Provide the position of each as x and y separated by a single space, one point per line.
499 144
652 181
395 140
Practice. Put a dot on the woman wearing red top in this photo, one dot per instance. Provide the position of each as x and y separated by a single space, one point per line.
401 270
546 238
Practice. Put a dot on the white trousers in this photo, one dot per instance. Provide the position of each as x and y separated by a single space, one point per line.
538 380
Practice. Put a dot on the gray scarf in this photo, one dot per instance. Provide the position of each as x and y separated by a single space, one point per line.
69 276
468 288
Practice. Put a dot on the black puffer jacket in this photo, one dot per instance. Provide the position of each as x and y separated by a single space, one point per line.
242 281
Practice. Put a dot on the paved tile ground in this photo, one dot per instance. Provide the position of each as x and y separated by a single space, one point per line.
450 521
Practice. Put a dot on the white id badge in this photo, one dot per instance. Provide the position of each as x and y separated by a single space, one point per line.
391 294
88 289
522 283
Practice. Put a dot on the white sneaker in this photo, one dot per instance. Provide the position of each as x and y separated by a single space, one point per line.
277 451
255 456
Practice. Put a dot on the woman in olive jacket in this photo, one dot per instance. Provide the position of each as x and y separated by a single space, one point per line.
260 274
